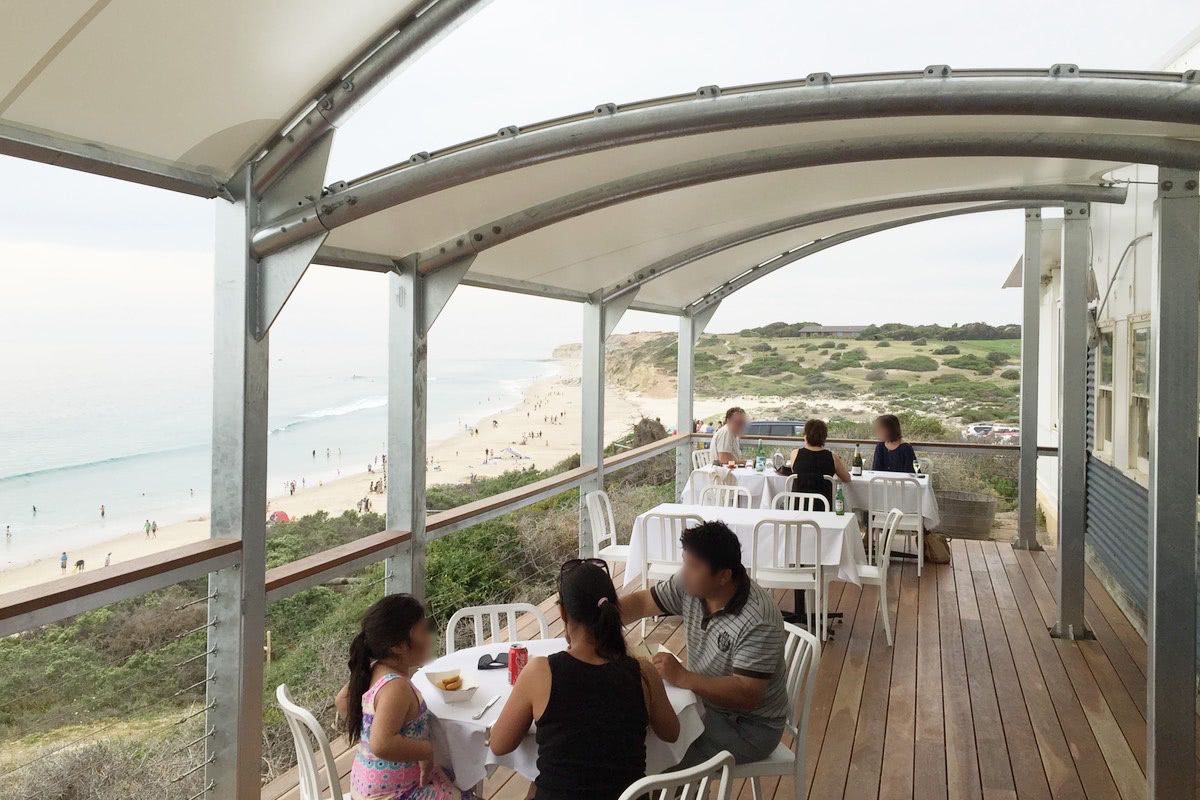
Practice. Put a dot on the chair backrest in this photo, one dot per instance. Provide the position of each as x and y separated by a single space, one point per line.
604 529
702 458
800 501
883 559
724 496
801 660
477 614
888 492
300 720
788 547
694 783
666 530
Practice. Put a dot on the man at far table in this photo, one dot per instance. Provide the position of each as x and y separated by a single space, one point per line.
735 644
727 441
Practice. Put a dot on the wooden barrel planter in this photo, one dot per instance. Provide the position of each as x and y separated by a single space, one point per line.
965 515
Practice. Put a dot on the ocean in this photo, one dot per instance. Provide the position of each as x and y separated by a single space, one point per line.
136 437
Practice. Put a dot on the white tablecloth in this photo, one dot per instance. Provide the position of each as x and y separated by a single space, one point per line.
841 541
459 741
858 494
762 486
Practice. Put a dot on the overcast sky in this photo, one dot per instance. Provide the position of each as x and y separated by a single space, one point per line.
88 260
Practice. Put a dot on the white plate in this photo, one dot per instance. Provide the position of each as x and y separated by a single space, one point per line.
460 695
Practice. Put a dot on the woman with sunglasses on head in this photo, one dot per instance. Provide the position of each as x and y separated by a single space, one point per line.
592 702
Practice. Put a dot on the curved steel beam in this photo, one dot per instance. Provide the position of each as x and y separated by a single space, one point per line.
1121 149
1136 98
1029 195
817 245
375 67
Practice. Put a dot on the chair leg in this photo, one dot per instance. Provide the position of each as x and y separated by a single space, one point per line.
920 549
756 790
883 609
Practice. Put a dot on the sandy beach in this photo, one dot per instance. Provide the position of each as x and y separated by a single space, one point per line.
452 460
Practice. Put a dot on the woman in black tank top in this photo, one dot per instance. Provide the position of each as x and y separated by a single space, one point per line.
592 702
813 462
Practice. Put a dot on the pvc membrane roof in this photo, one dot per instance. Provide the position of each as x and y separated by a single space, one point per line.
199 85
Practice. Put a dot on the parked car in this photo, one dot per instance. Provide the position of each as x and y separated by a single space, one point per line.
775 427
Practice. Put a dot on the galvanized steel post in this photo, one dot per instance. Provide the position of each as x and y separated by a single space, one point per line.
1171 617
685 381
591 439
1072 424
1031 285
237 607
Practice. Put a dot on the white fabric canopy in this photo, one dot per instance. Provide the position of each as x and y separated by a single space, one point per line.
200 85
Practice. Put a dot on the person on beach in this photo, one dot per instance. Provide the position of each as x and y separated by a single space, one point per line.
385 714
102 511
62 562
108 560
154 529
35 511
8 531
147 527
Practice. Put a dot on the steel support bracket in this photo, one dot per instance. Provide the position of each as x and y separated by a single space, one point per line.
439 286
279 273
615 309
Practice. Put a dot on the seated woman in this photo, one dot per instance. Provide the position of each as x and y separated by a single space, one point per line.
384 712
812 462
592 702
892 454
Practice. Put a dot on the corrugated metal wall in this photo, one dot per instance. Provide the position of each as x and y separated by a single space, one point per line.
1117 515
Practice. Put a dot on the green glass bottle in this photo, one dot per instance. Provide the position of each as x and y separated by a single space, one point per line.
839 502
760 457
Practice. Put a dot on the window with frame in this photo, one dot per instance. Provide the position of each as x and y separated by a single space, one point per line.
1139 397
1104 392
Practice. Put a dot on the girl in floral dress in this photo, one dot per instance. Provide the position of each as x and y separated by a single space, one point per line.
384 712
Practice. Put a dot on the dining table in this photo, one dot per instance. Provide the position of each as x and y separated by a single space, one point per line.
461 741
841 539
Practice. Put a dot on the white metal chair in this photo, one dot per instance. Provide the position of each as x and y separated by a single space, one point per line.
886 493
299 719
477 614
800 501
787 564
702 458
876 574
725 496
604 529
694 783
801 659
666 530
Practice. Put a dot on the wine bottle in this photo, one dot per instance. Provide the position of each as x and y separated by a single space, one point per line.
856 465
839 503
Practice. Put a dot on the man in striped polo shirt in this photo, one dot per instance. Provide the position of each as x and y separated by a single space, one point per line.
735 643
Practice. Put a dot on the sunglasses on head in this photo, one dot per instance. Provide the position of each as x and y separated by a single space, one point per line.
573 563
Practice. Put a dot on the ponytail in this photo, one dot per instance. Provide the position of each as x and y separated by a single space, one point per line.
360 680
607 630
588 597
387 623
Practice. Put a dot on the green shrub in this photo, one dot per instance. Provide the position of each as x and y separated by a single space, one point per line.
948 350
828 345
761 347
890 385
770 364
919 342
876 375
811 347
841 345
1011 374
950 377
969 361
910 363
885 343
985 370
997 358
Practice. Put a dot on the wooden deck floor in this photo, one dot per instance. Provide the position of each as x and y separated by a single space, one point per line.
973 702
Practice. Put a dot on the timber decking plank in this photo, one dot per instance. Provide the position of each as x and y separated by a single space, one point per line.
1031 593
962 761
896 776
866 759
995 770
1029 774
1055 751
929 748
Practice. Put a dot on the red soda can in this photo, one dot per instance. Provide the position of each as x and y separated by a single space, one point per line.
518 657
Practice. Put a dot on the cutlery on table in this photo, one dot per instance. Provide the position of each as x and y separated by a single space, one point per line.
479 714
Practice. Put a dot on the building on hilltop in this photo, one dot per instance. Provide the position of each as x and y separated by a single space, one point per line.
832 331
